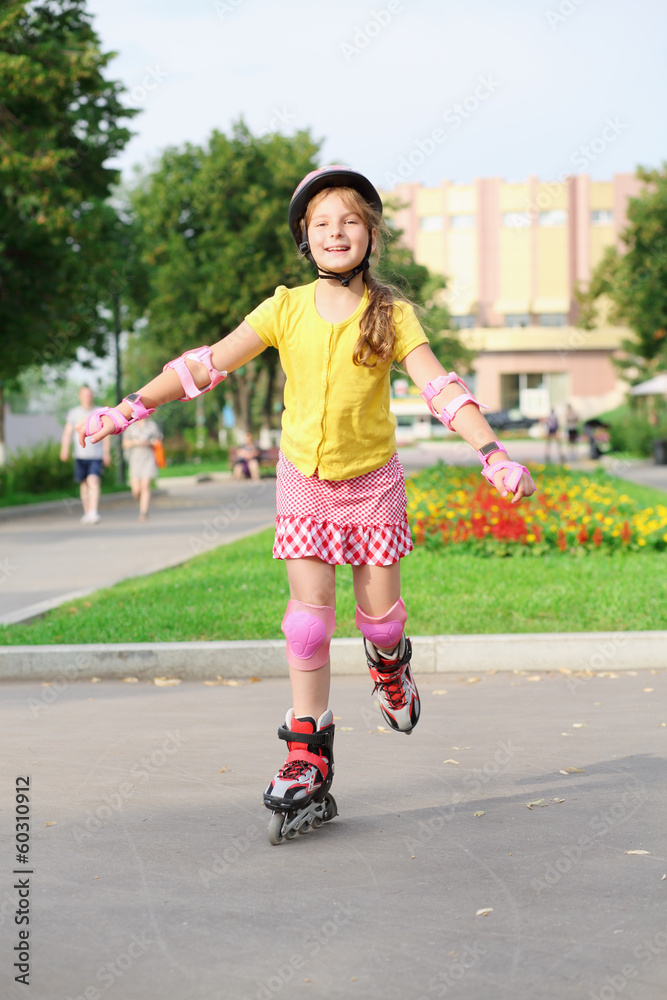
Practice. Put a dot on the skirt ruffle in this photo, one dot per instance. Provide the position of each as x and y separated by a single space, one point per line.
376 545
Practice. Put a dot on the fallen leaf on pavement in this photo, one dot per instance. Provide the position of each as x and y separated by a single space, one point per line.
480 812
637 852
450 760
484 912
163 682
572 770
130 680
537 802
558 800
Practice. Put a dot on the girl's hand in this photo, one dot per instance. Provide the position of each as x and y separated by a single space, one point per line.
108 427
525 487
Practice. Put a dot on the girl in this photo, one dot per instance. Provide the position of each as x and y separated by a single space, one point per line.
340 486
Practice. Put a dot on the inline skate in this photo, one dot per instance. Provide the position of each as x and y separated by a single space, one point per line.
298 795
394 683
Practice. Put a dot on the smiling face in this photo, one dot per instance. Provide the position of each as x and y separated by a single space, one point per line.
337 232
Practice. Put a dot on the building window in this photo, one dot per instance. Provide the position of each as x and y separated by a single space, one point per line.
552 319
517 319
556 217
430 223
463 322
516 220
602 217
462 221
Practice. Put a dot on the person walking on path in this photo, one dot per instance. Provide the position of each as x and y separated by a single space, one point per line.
552 425
138 441
572 424
340 486
89 457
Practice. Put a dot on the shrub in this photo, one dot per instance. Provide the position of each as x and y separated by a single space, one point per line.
635 435
39 470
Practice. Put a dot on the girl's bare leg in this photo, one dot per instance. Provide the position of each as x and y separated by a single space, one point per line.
144 497
377 588
94 483
314 582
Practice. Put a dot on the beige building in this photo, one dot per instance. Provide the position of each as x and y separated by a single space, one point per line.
513 254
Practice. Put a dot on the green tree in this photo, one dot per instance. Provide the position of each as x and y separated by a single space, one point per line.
60 122
630 286
215 239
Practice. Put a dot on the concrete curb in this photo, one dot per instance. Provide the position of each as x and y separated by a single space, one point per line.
593 652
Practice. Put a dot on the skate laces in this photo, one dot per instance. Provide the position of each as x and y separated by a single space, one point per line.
298 766
294 768
392 687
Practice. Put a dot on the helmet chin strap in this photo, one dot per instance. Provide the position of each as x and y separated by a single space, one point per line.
345 279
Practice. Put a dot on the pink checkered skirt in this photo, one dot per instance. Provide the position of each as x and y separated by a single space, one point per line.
347 522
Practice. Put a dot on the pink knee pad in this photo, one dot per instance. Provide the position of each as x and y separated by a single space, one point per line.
308 629
386 630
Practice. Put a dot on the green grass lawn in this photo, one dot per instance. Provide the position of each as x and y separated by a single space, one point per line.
239 592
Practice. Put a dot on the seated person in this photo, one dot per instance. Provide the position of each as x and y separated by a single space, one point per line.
246 463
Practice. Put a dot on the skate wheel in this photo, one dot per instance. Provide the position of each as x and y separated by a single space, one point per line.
276 828
305 827
331 809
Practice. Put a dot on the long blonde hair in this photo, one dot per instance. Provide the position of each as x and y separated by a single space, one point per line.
378 328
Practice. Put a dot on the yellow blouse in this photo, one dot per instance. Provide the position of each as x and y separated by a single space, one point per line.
337 419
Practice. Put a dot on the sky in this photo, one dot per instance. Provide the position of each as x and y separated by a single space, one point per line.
419 90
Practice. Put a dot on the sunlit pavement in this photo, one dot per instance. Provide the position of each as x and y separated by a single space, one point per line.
512 847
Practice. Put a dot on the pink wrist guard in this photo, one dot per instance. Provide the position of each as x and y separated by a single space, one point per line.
487 450
514 478
204 356
450 409
120 422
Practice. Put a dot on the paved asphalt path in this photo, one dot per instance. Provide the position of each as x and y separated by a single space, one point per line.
51 557
151 876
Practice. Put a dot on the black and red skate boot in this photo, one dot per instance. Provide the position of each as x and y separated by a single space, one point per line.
299 792
394 683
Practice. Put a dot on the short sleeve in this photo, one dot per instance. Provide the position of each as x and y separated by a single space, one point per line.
409 332
265 319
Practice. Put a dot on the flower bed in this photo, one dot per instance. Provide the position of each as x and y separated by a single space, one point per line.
570 512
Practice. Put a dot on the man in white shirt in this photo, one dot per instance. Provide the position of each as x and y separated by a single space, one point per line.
88 461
